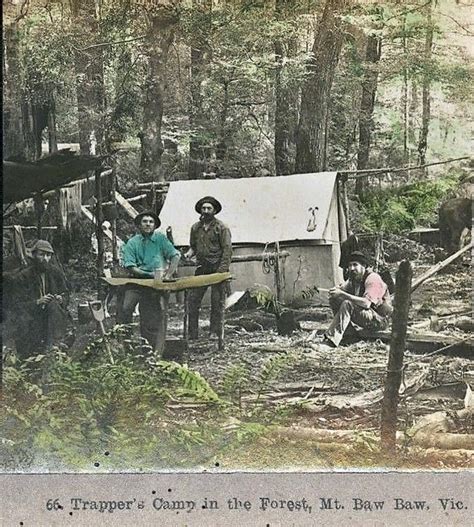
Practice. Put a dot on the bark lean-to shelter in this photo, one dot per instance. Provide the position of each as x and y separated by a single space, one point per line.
266 210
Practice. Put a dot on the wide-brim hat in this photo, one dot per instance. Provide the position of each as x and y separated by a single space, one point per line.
208 199
43 245
359 257
138 218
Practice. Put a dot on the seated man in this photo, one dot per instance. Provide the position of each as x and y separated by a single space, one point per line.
363 300
41 295
143 254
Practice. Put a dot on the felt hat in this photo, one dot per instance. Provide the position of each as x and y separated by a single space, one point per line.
359 257
138 218
208 199
43 245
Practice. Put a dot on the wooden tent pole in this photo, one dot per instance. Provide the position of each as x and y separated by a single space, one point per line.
374 171
277 271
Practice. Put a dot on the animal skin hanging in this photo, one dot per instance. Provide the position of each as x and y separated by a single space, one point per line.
312 220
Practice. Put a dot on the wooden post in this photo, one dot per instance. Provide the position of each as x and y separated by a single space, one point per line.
98 231
222 288
115 257
185 316
39 210
277 271
395 361
345 201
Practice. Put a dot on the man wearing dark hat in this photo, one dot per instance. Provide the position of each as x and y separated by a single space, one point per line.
144 255
211 244
363 300
41 297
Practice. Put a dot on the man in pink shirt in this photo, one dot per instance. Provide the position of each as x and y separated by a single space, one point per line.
363 300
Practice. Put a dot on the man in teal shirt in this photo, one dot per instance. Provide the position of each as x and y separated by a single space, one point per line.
143 254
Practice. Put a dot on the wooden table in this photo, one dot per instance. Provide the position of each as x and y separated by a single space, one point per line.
183 283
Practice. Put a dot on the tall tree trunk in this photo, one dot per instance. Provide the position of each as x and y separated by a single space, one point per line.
89 66
221 147
367 104
311 141
426 97
13 137
198 147
285 103
52 132
404 100
159 39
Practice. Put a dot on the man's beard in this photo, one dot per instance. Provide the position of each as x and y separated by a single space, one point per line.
355 276
207 217
41 266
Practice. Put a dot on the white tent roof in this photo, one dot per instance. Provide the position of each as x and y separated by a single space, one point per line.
257 210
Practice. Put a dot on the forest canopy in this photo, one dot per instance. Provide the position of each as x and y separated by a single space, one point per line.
241 88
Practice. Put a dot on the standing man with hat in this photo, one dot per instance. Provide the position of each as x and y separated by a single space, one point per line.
145 254
363 299
41 296
211 244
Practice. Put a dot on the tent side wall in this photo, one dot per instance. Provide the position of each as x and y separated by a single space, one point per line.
309 264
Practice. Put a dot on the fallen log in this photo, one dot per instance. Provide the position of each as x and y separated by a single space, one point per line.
459 443
445 441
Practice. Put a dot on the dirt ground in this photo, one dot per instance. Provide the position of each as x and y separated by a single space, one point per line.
318 387
305 387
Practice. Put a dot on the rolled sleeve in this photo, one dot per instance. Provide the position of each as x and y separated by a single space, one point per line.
129 257
226 244
169 250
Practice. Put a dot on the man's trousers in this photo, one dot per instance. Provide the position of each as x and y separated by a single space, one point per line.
346 313
218 296
153 309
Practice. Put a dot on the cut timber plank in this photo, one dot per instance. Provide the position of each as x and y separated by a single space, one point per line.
129 209
186 282
91 217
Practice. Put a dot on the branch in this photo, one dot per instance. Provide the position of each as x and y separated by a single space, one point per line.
371 171
464 28
412 10
102 44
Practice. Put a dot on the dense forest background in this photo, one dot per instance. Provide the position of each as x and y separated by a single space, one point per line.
206 88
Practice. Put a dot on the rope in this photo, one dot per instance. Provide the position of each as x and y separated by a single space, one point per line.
269 261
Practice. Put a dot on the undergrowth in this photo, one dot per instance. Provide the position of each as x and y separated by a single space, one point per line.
396 210
117 405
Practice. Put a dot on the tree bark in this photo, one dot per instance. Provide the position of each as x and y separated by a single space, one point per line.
285 102
89 68
404 99
159 39
426 85
369 91
13 138
311 140
198 148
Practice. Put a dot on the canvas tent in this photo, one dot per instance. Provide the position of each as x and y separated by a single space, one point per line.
302 212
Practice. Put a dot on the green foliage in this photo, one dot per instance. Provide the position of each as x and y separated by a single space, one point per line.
402 209
113 392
